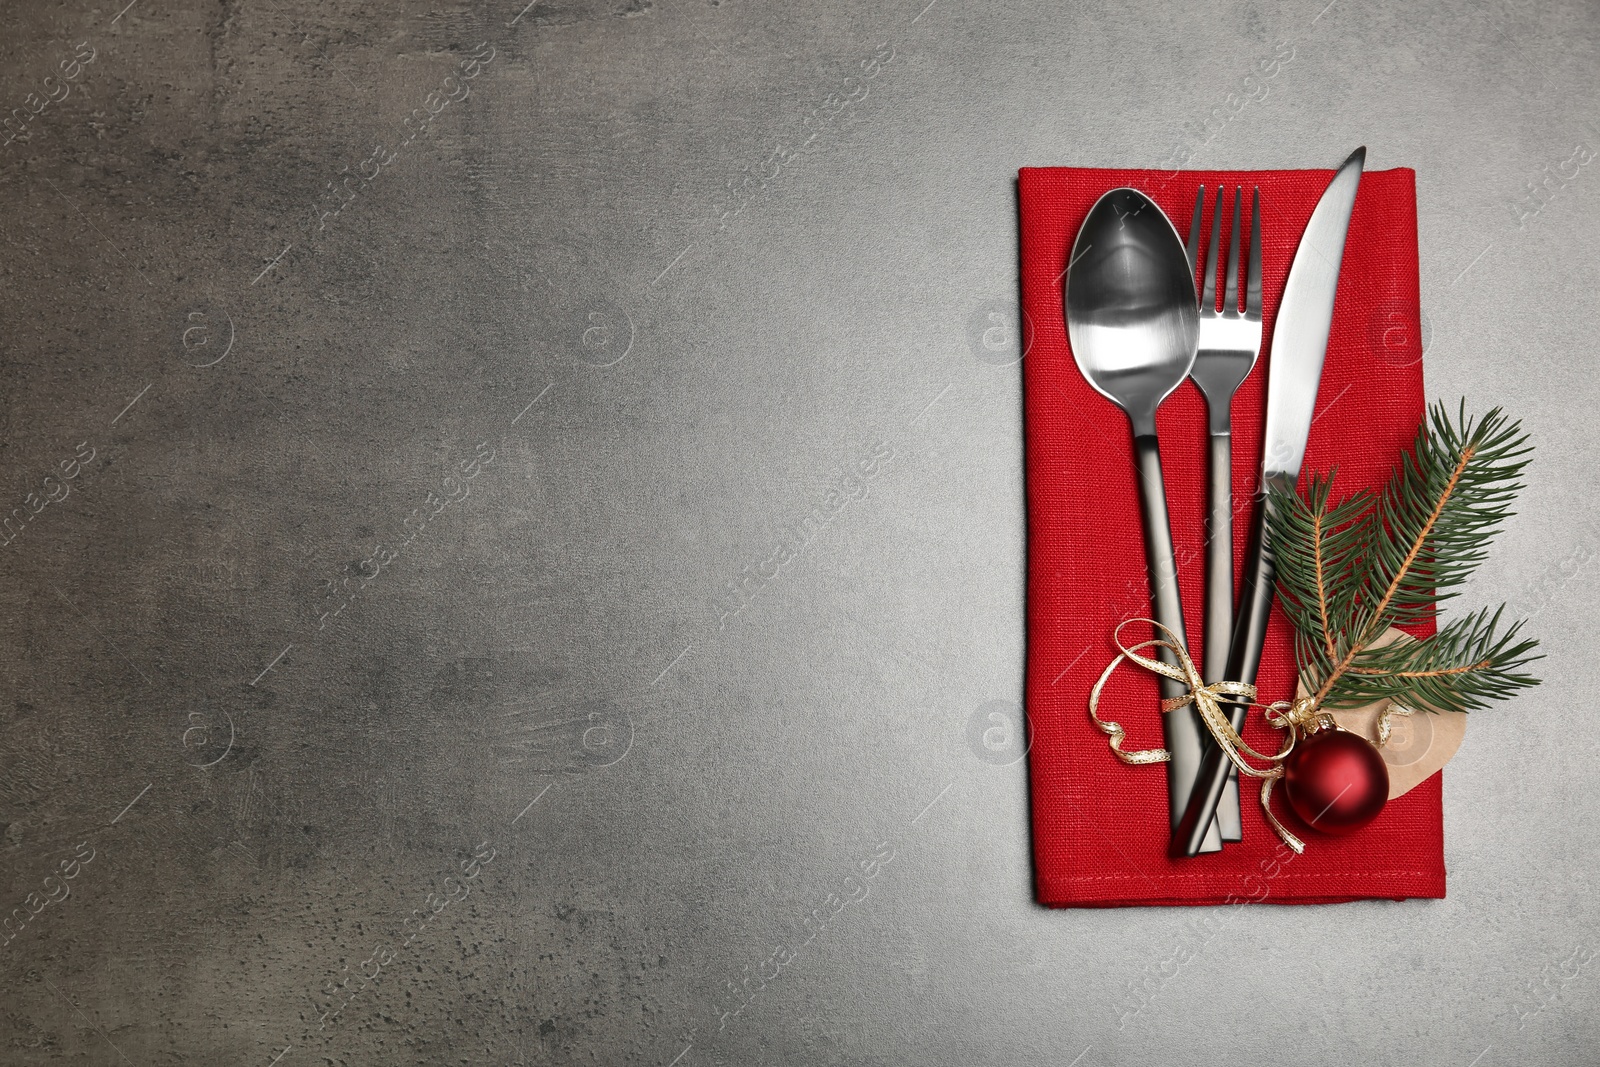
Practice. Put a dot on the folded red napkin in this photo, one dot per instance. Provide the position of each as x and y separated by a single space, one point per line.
1100 827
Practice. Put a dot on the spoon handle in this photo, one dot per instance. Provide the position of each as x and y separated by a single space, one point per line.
1181 728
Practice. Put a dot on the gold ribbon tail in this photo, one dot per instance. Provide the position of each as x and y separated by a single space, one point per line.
1389 709
1282 831
1115 730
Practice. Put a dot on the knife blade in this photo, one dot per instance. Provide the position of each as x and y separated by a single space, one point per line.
1294 372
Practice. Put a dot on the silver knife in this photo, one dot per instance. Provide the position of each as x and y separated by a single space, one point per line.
1299 345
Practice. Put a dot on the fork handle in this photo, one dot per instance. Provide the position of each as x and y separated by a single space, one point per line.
1249 633
1181 729
1219 603
1219 559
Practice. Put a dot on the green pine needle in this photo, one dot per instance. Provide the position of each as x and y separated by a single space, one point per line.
1346 572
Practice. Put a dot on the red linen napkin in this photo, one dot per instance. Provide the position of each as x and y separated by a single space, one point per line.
1100 828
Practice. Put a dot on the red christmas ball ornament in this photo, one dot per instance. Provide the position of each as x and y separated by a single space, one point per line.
1336 781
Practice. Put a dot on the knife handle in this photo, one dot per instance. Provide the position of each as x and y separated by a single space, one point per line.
1244 657
1181 729
1219 602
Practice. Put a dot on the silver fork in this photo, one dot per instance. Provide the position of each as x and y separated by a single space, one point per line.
1230 341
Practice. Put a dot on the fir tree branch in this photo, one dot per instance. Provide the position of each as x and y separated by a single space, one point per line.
1317 549
1347 572
1480 665
1322 585
1464 666
1417 543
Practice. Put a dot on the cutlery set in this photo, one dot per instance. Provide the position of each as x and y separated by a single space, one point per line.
1139 324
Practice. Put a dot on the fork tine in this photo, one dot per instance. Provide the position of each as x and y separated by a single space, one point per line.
1252 295
1193 247
1208 299
1230 297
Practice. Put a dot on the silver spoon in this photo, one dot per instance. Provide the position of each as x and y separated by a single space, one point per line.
1134 322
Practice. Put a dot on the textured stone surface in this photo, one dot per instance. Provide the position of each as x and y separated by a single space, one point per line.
729 253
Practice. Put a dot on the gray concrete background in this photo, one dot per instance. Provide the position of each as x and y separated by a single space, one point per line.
280 657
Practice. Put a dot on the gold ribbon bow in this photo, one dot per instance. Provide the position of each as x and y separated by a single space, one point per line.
1285 715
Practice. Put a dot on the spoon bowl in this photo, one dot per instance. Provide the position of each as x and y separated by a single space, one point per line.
1132 314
